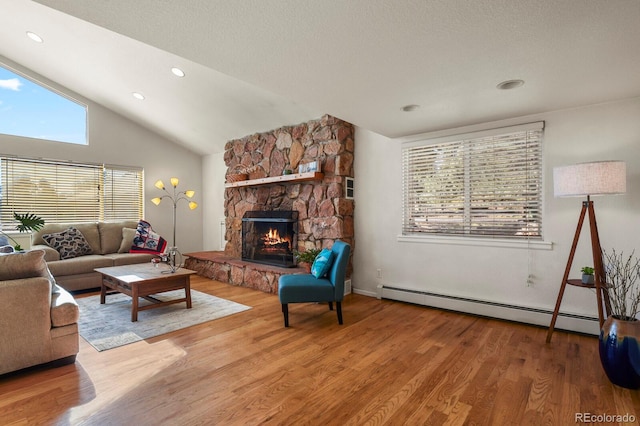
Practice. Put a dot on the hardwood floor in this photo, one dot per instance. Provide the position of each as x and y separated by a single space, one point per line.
390 363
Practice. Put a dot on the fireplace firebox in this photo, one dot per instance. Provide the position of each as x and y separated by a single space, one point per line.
270 237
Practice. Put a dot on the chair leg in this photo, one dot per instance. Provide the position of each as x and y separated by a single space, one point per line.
285 312
339 309
331 306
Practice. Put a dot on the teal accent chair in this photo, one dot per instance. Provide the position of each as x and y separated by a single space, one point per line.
305 288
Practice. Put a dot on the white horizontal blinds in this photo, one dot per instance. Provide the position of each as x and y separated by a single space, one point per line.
122 193
505 178
434 189
56 191
489 185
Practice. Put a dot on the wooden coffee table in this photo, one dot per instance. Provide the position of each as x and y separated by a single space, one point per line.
144 280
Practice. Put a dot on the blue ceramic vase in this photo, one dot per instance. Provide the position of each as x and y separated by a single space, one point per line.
620 351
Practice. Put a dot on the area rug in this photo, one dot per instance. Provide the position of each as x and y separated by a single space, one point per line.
109 326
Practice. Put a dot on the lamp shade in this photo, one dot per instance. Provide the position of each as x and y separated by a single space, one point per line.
159 184
174 181
596 178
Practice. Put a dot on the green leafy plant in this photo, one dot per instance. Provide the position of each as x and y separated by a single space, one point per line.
587 270
307 256
27 222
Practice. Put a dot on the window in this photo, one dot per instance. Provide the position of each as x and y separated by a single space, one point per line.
486 184
61 192
31 110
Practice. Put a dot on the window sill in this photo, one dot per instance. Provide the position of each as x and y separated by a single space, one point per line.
479 242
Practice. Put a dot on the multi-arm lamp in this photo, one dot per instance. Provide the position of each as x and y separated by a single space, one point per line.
580 180
175 198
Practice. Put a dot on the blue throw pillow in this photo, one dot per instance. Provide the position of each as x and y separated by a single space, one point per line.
322 263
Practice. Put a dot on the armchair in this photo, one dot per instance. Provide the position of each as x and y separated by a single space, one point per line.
303 288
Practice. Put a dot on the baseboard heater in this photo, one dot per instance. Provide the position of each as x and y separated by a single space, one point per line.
524 314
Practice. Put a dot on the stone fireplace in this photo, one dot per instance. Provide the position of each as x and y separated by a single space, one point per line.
272 160
270 237
325 214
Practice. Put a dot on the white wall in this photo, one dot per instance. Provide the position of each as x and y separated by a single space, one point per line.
213 177
600 132
113 139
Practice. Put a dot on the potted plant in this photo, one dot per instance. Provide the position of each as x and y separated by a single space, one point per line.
28 222
305 258
587 275
619 342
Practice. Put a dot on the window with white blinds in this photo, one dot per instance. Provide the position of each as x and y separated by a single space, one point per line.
63 192
488 184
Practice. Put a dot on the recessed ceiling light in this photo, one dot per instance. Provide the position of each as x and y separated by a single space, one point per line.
409 108
177 71
137 95
35 37
510 84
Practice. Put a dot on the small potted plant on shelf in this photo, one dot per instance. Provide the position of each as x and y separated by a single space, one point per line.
587 275
28 222
305 258
619 341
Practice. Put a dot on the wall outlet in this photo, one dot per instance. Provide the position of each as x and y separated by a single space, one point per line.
379 273
530 280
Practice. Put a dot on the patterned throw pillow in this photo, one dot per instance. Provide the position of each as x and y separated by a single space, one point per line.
322 263
69 243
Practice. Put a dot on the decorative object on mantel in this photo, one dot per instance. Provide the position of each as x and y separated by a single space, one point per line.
579 180
175 198
238 174
27 222
619 341
313 166
587 275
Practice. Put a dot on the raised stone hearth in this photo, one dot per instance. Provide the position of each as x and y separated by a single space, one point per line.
220 267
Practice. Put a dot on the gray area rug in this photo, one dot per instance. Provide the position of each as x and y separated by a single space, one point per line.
109 326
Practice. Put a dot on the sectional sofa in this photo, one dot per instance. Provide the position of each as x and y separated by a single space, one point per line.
38 320
109 244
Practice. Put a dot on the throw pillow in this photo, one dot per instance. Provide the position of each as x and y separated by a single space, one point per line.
322 263
147 241
29 264
69 243
128 234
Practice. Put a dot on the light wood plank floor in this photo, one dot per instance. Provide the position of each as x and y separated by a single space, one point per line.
390 363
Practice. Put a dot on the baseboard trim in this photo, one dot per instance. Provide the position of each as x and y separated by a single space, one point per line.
518 313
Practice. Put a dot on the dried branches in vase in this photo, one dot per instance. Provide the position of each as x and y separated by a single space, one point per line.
621 278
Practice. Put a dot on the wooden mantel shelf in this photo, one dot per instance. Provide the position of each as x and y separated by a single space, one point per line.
297 177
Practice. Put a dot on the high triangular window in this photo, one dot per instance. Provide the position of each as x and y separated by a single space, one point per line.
31 110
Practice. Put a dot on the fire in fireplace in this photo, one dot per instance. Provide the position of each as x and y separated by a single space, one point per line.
270 237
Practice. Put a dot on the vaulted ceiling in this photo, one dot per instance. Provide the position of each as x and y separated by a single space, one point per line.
253 66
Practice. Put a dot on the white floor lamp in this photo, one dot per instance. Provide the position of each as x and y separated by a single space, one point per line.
580 180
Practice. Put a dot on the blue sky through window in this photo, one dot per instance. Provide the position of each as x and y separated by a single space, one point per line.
30 110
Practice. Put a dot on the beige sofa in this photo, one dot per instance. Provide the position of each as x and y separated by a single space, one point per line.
110 243
38 320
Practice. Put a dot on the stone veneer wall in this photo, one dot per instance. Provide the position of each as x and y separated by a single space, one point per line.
325 215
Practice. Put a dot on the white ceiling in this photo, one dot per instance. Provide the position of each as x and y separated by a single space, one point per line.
257 65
